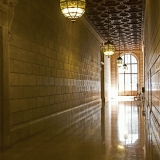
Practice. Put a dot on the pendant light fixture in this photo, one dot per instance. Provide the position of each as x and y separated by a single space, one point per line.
72 9
125 67
119 59
108 47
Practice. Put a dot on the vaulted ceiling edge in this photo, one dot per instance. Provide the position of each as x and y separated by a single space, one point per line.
91 29
121 20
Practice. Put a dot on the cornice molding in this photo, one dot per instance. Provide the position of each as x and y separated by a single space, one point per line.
91 30
7 13
3 15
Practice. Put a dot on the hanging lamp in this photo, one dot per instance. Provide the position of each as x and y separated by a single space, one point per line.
108 47
72 9
125 67
119 59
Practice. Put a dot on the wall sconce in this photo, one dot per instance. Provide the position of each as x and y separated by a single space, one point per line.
72 9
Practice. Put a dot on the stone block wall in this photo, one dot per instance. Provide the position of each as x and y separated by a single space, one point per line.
54 70
152 78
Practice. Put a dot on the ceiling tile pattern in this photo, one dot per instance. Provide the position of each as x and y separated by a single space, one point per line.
121 20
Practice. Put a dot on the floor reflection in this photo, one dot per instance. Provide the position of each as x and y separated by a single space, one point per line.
127 131
128 122
115 133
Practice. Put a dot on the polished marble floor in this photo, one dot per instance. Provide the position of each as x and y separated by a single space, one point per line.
118 135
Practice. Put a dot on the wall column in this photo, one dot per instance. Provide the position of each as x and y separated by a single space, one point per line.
102 77
6 17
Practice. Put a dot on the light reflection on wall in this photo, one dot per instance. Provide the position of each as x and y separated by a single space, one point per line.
114 92
128 123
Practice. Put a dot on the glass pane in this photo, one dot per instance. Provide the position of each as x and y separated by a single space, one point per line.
127 58
129 68
133 59
134 68
127 82
123 58
121 82
134 82
120 70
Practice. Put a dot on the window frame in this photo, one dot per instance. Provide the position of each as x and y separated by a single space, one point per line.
133 88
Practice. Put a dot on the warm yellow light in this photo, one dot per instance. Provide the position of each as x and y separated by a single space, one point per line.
108 48
119 61
125 68
72 9
121 147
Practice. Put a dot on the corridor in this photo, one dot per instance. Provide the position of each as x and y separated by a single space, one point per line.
115 133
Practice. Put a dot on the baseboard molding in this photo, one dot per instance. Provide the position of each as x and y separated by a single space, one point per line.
59 121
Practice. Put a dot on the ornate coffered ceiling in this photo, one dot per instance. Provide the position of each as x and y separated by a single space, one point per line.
117 18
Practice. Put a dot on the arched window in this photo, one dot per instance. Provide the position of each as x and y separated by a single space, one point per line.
128 80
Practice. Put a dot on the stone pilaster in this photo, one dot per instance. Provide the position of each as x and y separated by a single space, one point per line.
6 18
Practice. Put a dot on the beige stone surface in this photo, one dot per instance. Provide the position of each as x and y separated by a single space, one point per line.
152 76
98 136
53 68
